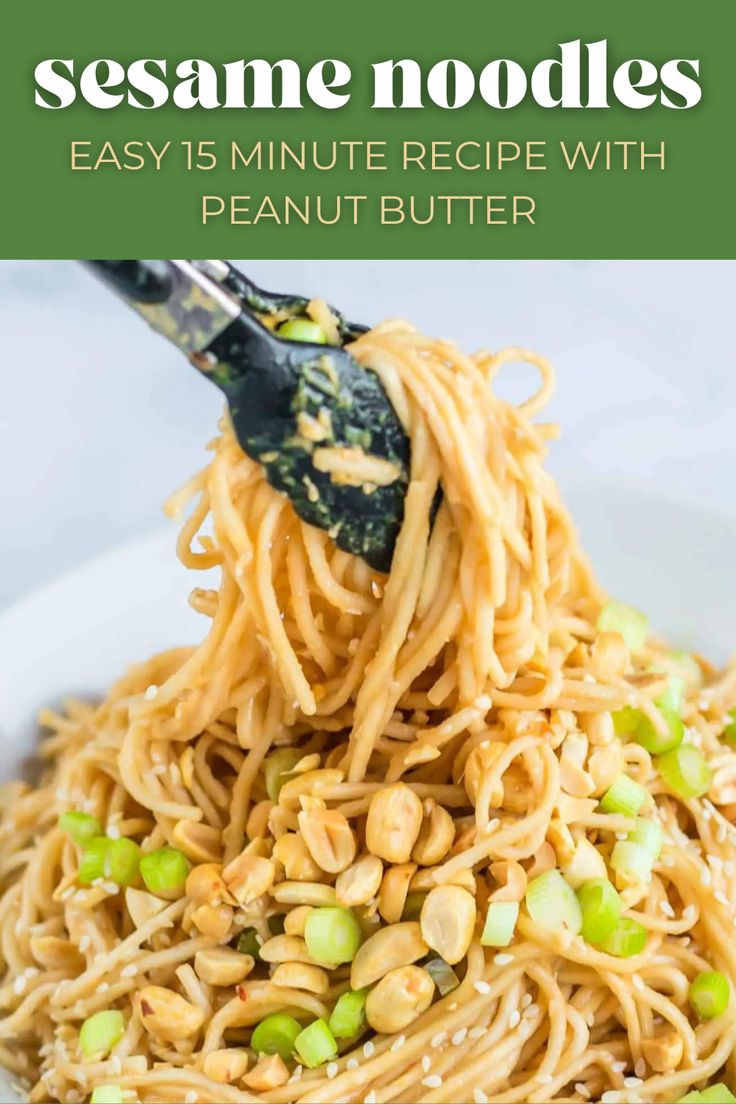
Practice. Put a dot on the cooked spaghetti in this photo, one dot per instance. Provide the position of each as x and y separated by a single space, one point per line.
459 833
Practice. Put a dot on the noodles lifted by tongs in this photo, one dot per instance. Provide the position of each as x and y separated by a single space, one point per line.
462 832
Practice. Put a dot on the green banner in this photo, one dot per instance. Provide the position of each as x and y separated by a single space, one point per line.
465 129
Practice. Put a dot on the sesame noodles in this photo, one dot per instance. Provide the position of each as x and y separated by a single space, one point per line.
359 770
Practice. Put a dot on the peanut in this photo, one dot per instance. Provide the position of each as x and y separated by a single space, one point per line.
394 888
448 921
435 837
393 823
293 854
360 882
398 998
268 1073
222 966
390 947
226 1065
329 837
213 920
248 876
167 1015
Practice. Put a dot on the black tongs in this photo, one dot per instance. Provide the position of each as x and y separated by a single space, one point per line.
289 400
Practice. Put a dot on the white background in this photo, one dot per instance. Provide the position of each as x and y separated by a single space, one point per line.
100 419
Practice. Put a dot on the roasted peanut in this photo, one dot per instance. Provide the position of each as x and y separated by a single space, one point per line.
142 906
511 878
57 954
560 838
435 837
586 864
397 945
394 888
304 893
296 919
167 1015
663 1052
329 837
447 922
286 948
312 783
398 998
213 920
268 1073
222 966
300 975
205 885
604 766
293 854
609 656
226 1065
360 882
248 876
393 823
200 842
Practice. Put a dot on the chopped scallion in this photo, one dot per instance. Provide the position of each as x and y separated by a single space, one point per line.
276 766
276 1035
92 862
302 329
101 1032
443 975
624 796
413 906
648 834
165 870
348 1015
627 938
600 905
107 1094
121 861
709 994
636 725
630 623
332 935
248 943
498 930
685 771
717 1094
552 903
82 827
316 1044
729 732
632 862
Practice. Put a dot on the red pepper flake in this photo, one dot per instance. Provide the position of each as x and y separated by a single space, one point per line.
241 992
146 1008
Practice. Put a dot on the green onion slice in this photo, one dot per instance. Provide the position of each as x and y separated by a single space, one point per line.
709 994
82 827
348 1015
315 1045
332 935
600 905
92 862
302 329
729 732
101 1032
413 906
552 903
717 1094
498 930
693 1097
632 862
625 796
248 943
636 725
107 1094
630 623
276 766
648 834
685 771
627 938
165 870
443 975
121 861
276 1035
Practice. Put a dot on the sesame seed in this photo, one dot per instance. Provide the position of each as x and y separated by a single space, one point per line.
640 1068
582 1090
331 1069
482 987
706 878
438 1039
297 1074
479 1097
477 1032
531 1011
433 1081
84 943
129 971
368 1049
632 1082
352 1063
459 1037
514 1019
159 768
618 1067
66 893
191 1097
151 692
19 985
370 1098
113 832
111 888
610 1097
545 1078
426 1063
503 959
526 1000
398 1042
102 987
721 898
